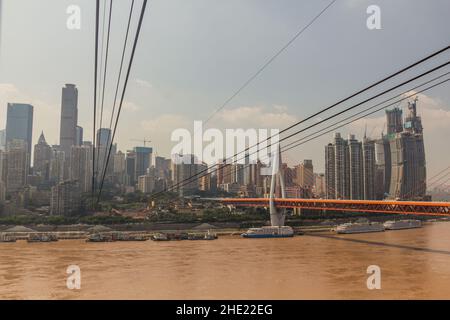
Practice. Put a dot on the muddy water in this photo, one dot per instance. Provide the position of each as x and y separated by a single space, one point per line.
414 264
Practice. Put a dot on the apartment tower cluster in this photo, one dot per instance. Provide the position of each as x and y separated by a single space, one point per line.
392 167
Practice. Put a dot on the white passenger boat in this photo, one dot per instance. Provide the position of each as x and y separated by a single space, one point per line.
359 227
269 232
402 224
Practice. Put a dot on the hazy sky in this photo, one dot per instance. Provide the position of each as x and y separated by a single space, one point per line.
193 54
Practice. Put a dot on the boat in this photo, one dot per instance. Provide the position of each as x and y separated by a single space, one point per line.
39 238
138 237
99 237
402 224
269 232
177 236
160 237
7 238
196 236
202 236
359 227
210 236
129 237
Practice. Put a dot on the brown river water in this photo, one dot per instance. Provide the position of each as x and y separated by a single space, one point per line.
415 264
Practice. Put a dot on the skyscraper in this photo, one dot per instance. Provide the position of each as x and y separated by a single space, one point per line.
3 140
342 183
408 176
81 166
57 165
42 158
319 184
17 165
162 167
355 168
19 124
383 167
305 174
119 168
69 119
101 153
394 121
350 168
330 172
183 168
369 168
66 198
130 164
79 136
103 137
143 160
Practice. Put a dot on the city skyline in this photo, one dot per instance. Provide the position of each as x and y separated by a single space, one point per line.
163 91
243 150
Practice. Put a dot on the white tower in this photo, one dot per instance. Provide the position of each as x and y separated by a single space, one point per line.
277 217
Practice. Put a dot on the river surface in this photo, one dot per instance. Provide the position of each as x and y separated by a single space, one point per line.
415 264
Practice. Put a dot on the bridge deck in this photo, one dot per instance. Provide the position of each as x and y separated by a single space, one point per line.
377 206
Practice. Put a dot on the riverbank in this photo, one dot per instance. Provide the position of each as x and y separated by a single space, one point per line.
415 264
82 231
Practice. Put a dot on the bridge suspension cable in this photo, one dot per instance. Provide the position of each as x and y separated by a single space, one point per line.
97 16
269 61
105 68
120 73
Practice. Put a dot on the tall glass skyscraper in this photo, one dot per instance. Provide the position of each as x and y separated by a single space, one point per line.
104 136
19 124
143 160
69 118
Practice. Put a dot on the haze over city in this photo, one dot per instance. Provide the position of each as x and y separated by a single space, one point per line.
169 90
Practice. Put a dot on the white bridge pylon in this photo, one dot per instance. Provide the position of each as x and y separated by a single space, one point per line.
277 216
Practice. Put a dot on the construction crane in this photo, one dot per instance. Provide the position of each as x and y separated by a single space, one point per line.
143 141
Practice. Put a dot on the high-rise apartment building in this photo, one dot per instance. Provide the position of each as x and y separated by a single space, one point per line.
57 165
183 168
162 168
383 167
146 183
65 198
81 167
355 168
130 163
78 136
369 167
304 173
340 189
350 168
17 165
101 153
119 165
143 160
330 172
319 185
